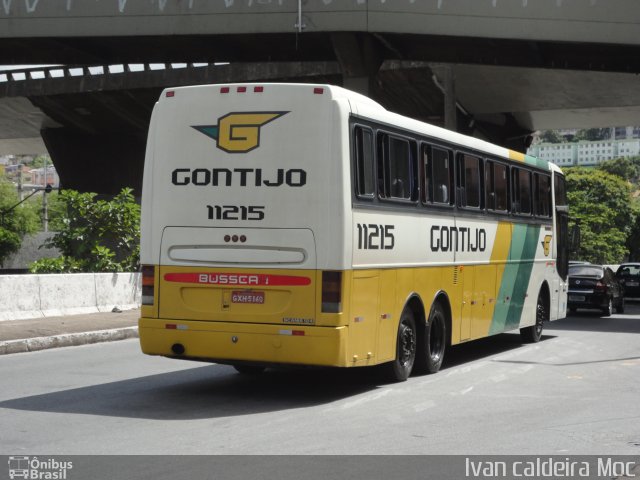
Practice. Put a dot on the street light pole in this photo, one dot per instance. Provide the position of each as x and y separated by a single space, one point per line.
45 220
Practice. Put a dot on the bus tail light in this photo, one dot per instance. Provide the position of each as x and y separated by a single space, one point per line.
331 292
148 284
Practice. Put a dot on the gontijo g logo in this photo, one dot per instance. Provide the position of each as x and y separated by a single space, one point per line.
238 132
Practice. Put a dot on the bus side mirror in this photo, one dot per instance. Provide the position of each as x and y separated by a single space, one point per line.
574 238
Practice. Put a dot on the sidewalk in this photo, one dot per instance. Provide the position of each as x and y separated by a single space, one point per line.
29 335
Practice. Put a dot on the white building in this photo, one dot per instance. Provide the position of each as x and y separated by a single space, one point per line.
585 153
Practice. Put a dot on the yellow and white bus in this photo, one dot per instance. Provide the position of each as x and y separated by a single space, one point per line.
305 224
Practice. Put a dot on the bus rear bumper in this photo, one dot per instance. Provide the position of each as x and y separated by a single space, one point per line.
244 342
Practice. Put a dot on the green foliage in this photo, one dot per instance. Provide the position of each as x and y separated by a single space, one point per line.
629 170
95 235
625 168
56 265
600 203
633 240
15 221
592 134
56 211
40 160
9 243
550 136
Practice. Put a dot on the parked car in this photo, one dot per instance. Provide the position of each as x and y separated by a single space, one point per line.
595 287
629 276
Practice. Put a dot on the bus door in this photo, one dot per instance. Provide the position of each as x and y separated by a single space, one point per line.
561 247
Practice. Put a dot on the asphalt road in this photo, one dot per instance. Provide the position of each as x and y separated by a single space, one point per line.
576 392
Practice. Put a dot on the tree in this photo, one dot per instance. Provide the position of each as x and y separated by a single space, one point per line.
625 168
56 212
95 235
633 240
550 136
15 221
600 203
592 134
40 161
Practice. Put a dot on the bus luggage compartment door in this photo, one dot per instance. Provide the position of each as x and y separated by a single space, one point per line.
238 274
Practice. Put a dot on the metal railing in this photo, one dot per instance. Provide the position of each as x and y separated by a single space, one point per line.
63 79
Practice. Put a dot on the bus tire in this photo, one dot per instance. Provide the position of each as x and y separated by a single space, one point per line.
533 334
434 340
249 369
406 344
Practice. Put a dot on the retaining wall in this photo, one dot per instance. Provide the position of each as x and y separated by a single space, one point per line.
32 296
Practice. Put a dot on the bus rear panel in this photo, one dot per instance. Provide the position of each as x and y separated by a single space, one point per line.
240 201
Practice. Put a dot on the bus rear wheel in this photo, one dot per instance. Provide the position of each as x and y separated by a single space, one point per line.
533 334
400 369
434 341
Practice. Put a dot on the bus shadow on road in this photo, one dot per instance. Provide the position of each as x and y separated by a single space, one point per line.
217 391
485 347
212 391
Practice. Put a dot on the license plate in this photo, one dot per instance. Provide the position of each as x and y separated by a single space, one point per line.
247 297
632 284
576 298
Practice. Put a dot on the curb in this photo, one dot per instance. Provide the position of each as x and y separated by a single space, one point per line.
66 340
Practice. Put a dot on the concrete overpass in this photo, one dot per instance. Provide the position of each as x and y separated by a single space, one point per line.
499 68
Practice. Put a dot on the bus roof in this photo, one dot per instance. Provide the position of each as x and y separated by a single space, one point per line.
364 106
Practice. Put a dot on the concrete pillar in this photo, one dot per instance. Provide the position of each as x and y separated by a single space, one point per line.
450 109
360 58
101 163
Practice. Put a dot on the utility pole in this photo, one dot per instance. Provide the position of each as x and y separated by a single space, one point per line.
45 212
20 195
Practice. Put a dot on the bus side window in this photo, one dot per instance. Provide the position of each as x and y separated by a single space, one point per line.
426 191
496 186
542 185
490 200
469 178
398 177
501 187
521 180
442 176
560 190
365 186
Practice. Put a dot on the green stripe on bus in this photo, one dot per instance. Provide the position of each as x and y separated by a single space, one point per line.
515 279
536 162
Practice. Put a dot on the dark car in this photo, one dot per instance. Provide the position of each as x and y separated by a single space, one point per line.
629 276
595 287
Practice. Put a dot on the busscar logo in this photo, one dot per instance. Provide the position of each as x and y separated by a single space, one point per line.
238 132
